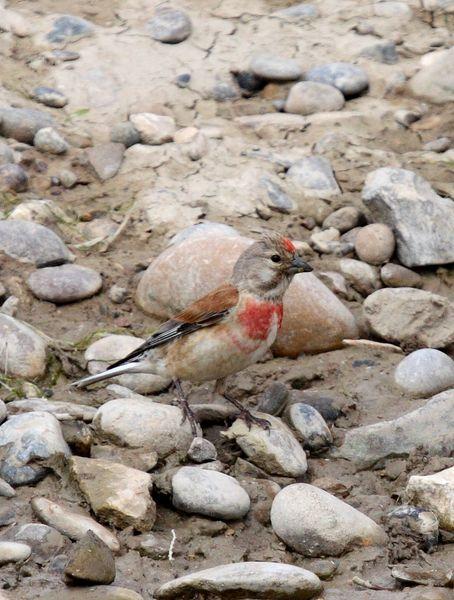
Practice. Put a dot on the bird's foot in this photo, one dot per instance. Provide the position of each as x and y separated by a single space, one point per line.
188 414
251 420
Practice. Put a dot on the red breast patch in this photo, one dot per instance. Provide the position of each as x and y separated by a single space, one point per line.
257 318
288 245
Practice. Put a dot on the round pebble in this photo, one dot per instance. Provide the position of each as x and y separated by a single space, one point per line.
13 178
275 68
375 243
425 372
343 219
398 276
346 77
13 552
49 140
308 97
169 25
68 283
125 133
50 97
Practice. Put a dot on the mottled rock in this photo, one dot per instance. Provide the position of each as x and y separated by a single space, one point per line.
106 159
406 117
32 243
425 372
69 28
91 561
398 276
383 52
169 25
415 520
50 97
346 77
310 427
153 129
435 81
118 294
209 493
315 523
107 350
68 178
245 580
44 541
343 219
274 197
362 277
70 523
61 410
375 243
13 178
411 318
421 220
436 493
13 552
314 176
144 424
430 427
67 283
6 154
276 451
201 450
23 123
22 351
274 399
275 68
308 97
125 133
118 495
321 240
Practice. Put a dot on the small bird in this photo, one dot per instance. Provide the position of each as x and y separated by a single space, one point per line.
223 332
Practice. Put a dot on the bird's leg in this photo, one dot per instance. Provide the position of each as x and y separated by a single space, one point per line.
185 408
244 413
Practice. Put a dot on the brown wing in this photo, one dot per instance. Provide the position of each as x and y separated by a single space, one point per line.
206 311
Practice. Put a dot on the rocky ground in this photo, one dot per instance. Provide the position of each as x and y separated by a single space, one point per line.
143 145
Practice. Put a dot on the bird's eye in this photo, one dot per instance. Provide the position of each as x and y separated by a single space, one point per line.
276 258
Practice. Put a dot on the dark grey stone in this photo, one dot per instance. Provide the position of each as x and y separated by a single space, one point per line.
125 133
69 28
23 123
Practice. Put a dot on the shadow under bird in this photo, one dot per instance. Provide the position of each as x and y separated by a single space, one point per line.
223 332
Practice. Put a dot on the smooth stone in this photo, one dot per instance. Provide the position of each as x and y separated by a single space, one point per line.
330 407
343 219
106 159
320 240
435 81
6 154
245 580
314 176
346 77
70 523
274 399
275 68
375 243
23 123
315 523
91 561
44 212
299 11
13 552
6 490
398 276
45 542
124 133
411 318
276 451
425 372
275 197
22 352
422 220
362 277
383 52
13 178
68 178
118 294
67 283
32 243
439 145
201 450
137 423
69 28
50 97
430 427
209 493
96 592
392 10
169 25
436 493
406 117
308 97
310 427
25 439
201 230
61 410
118 495
153 129
107 350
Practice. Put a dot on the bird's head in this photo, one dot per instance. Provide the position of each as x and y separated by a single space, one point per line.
267 267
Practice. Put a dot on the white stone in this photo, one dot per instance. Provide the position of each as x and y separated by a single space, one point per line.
13 552
154 129
436 493
22 351
425 372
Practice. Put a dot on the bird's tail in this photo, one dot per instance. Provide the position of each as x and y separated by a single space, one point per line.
132 367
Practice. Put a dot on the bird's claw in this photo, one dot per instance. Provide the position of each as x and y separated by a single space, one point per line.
189 415
251 420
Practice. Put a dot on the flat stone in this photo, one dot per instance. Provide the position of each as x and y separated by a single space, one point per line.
310 427
409 317
23 123
91 561
50 97
32 243
419 575
70 523
69 28
96 592
13 552
398 276
67 283
60 409
308 97
314 176
276 451
346 77
245 580
118 495
106 159
25 439
125 133
301 11
375 243
275 68
383 52
343 219
430 427
153 129
209 493
45 541
425 372
436 493
421 220
362 277
13 178
169 25
140 423
435 81
315 523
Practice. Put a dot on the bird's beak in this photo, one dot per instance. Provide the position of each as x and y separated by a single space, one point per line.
298 265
